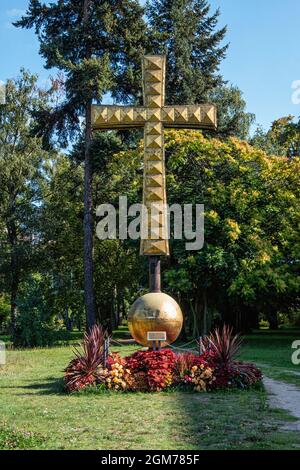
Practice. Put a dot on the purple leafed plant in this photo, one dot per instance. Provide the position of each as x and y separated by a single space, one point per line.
223 344
82 369
221 348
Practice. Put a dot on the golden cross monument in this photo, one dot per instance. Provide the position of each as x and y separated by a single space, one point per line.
155 319
154 116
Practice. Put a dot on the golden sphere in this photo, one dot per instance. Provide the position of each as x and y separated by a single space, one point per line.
155 312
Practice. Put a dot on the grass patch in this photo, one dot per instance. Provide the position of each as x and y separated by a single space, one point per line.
12 439
272 351
32 399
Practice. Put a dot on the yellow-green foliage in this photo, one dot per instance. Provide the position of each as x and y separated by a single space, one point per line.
252 218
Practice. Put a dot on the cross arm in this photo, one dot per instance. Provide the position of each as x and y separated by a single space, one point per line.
118 117
202 116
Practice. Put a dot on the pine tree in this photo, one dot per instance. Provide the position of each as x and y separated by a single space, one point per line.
98 45
186 32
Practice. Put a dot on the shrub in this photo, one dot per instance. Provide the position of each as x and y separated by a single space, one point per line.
202 377
219 350
184 363
264 325
245 374
31 331
4 313
159 367
115 376
35 326
223 345
82 370
293 319
139 382
194 370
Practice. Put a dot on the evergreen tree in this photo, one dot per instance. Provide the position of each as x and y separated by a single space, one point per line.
98 45
186 32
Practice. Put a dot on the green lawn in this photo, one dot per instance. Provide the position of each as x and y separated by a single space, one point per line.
273 351
36 413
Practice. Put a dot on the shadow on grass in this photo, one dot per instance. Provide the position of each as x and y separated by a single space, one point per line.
51 386
229 419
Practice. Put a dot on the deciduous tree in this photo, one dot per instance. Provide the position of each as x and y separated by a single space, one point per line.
22 176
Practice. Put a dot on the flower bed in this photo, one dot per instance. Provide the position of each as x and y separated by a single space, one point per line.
153 371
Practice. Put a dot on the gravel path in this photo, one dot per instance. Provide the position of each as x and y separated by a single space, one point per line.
284 396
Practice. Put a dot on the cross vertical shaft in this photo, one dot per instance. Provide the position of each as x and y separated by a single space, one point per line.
154 194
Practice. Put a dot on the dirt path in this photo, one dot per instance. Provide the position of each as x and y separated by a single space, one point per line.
284 396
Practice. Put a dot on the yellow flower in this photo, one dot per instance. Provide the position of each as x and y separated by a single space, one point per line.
234 230
212 215
203 385
264 258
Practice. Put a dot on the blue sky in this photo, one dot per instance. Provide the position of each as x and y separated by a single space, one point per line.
263 58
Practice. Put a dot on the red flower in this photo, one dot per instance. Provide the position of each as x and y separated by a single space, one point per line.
158 366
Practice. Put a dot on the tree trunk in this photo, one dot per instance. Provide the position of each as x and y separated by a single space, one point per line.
68 321
273 320
186 318
204 329
118 311
13 302
123 309
78 323
195 316
114 307
88 227
14 276
88 202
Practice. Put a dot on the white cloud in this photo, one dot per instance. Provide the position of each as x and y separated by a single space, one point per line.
15 13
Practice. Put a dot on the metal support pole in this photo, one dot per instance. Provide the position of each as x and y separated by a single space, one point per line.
154 274
106 351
